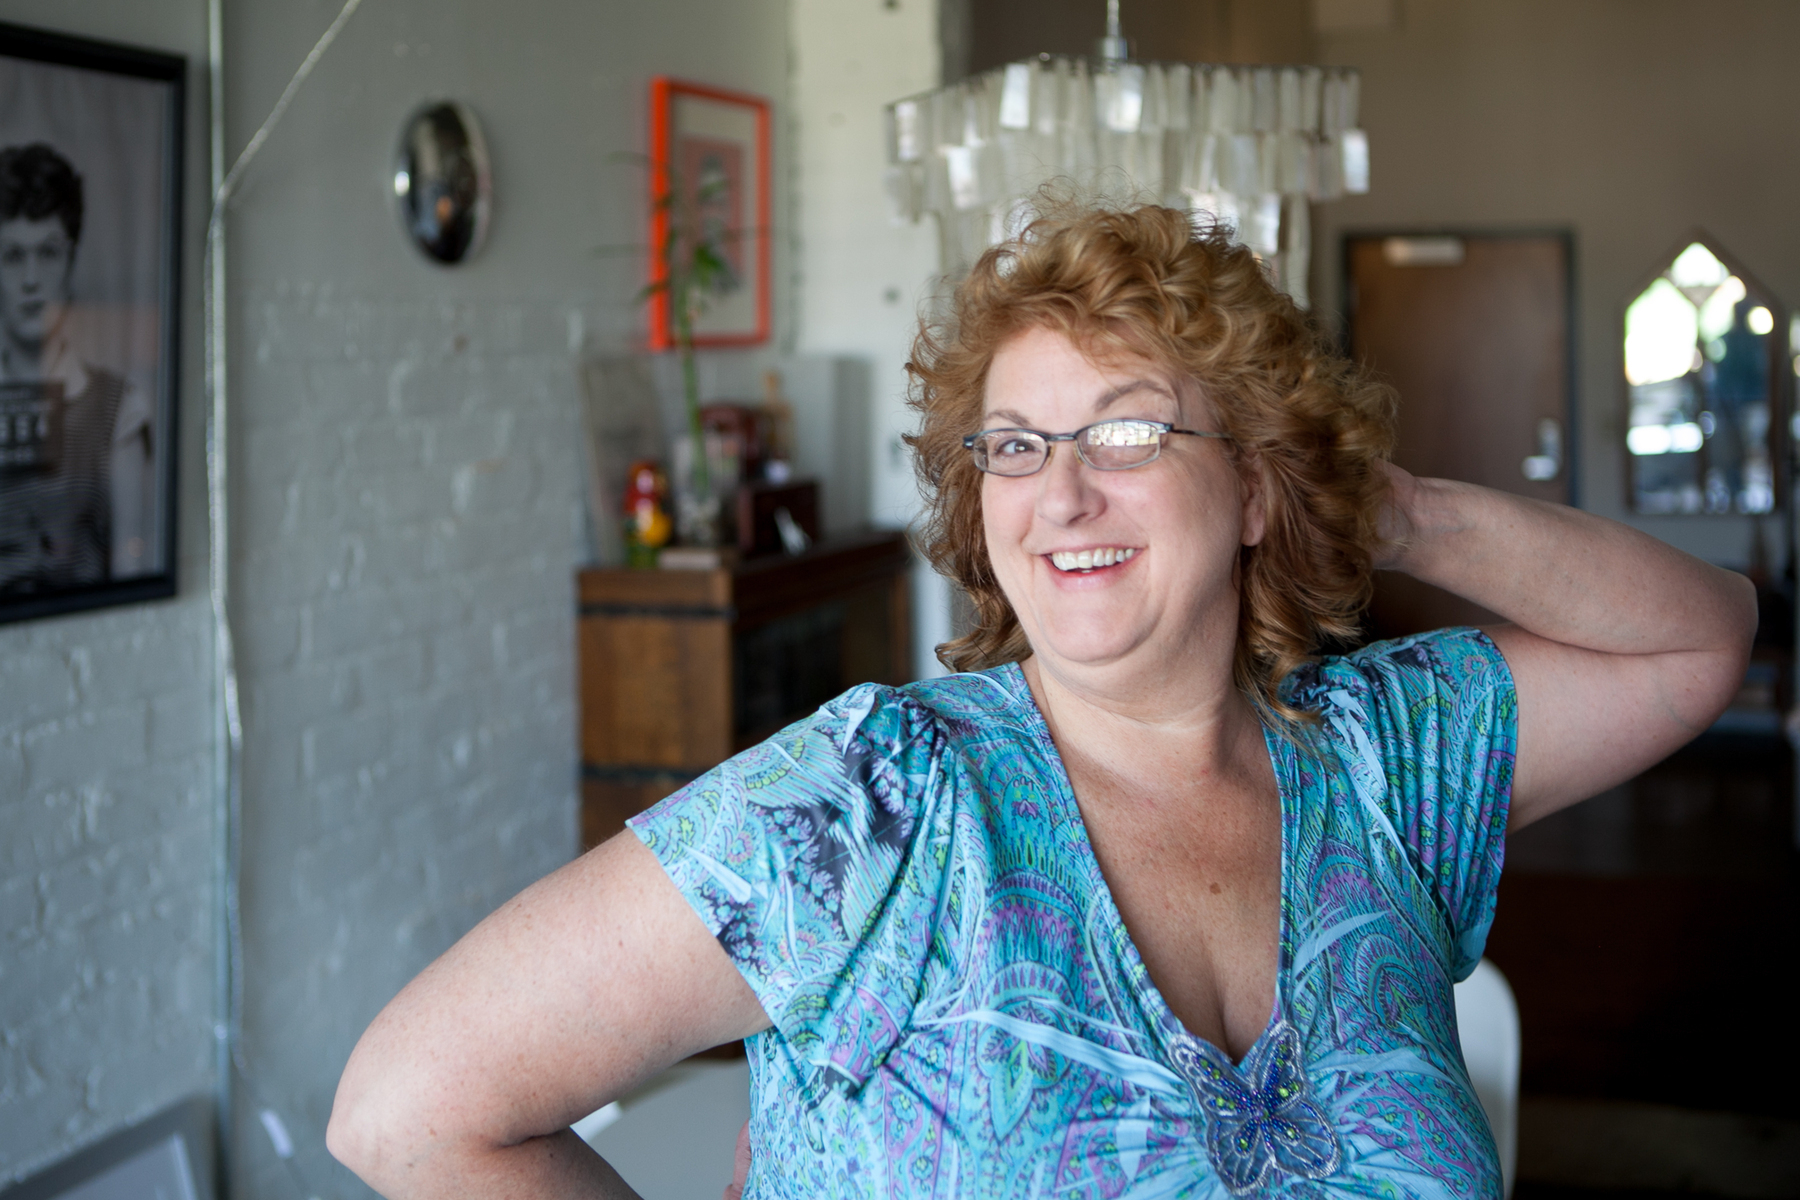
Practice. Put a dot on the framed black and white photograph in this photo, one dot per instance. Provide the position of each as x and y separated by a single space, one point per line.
90 266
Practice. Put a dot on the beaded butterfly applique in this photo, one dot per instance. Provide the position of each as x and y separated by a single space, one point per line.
1262 1116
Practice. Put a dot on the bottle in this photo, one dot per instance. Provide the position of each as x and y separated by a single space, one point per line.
778 461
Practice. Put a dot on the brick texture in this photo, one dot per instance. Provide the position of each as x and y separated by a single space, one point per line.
106 892
406 537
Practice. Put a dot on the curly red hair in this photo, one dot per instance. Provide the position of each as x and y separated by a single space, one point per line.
1148 282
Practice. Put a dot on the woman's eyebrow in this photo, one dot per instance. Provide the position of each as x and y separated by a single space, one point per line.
1135 385
1105 398
1006 414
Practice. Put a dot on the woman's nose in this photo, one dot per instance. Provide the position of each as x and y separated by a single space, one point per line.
1066 491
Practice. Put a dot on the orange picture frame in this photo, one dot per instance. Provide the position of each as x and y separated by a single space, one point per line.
711 170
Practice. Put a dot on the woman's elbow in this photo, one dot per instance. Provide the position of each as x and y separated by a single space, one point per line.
353 1135
1741 620
370 1129
1743 615
347 1137
1721 670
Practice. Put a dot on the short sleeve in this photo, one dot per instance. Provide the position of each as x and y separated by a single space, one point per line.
1441 715
808 857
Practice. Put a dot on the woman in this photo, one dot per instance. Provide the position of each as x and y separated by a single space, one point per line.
1150 901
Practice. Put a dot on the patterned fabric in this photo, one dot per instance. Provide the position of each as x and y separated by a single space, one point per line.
905 881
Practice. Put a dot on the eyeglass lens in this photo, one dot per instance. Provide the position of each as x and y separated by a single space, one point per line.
1105 446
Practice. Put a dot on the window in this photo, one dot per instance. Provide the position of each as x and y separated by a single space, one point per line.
1701 356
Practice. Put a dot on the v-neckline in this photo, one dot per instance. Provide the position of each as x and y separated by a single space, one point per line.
1065 796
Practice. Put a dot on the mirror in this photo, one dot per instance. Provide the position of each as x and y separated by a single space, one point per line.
441 181
1700 370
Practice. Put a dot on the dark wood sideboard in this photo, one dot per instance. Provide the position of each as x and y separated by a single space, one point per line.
679 670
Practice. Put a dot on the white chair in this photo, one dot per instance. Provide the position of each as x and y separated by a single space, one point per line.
676 1137
1487 1020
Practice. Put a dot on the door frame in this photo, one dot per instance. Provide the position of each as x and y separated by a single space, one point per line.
1572 433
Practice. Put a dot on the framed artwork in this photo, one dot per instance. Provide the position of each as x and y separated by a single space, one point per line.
90 275
168 1157
709 180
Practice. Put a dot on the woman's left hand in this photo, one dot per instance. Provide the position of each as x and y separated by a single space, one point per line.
1396 528
1622 647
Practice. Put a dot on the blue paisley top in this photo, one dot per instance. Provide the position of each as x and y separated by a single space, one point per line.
905 881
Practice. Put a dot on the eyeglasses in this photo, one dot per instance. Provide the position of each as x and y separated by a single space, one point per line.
1104 446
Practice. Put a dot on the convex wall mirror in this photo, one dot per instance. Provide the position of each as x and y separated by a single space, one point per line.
1704 355
442 182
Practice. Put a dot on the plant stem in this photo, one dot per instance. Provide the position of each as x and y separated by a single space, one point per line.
690 381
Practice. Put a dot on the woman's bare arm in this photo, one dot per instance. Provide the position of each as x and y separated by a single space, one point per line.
1623 648
584 985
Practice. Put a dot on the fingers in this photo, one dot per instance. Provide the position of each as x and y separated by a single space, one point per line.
740 1167
1394 524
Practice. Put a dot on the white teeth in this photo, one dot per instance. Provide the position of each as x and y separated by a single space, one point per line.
1088 560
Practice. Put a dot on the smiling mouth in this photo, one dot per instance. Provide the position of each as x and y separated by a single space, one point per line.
1089 560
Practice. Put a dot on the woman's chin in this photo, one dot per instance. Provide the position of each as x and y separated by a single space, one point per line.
1087 649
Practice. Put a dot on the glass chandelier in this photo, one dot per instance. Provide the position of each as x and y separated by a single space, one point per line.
1251 147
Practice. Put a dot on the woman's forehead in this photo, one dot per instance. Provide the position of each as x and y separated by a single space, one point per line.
1041 365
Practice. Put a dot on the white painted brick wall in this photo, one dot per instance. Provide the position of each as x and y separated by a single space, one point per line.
105 874
407 524
862 277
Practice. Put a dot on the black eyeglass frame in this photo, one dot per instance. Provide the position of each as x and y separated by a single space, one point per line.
1050 439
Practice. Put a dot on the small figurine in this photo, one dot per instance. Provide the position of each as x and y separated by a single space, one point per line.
647 524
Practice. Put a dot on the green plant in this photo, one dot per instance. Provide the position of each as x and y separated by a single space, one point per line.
695 268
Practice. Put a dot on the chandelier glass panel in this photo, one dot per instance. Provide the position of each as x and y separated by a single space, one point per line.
1249 146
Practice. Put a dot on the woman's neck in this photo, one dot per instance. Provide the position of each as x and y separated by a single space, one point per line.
1187 717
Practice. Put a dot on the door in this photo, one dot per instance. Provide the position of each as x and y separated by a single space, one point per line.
1473 332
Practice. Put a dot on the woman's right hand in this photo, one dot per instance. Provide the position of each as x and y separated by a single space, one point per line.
740 1165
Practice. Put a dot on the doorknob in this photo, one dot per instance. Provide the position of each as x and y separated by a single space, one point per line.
1546 464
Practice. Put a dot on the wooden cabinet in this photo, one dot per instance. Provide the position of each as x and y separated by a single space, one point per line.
681 669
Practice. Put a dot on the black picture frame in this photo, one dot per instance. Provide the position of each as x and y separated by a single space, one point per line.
172 1154
89 428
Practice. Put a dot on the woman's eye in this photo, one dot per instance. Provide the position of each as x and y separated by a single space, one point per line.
1014 446
1123 433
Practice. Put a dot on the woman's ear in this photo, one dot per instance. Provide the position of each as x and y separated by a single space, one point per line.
1253 490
